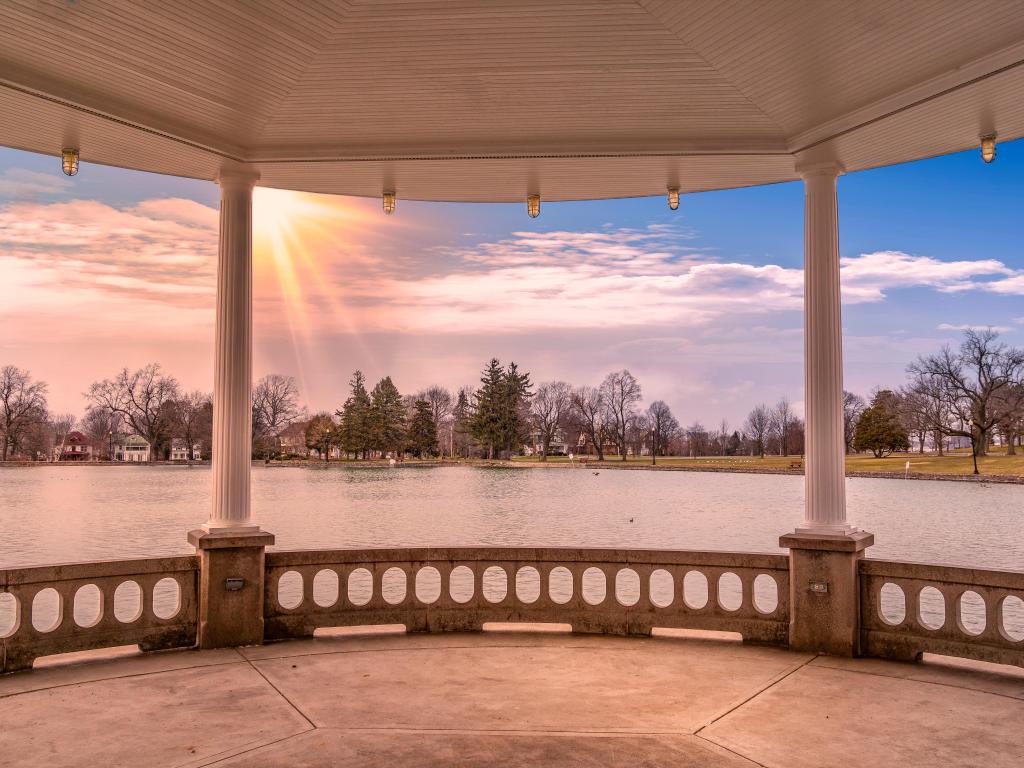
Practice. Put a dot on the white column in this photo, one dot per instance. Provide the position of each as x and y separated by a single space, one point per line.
232 384
825 480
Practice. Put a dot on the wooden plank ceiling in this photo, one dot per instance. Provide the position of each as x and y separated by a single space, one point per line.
490 101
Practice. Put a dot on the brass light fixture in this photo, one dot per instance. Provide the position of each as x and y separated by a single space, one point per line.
533 205
673 198
988 147
389 203
69 161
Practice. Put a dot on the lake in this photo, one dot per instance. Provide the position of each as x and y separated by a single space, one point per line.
69 513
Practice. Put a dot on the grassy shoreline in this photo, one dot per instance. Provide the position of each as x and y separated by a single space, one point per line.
997 468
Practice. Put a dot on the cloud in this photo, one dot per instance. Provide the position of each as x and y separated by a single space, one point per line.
968 327
22 184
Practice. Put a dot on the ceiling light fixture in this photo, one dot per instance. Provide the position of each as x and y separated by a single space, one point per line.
69 161
988 147
673 198
389 203
533 205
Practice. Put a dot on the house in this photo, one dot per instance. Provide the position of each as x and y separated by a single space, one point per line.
559 446
180 451
133 449
76 447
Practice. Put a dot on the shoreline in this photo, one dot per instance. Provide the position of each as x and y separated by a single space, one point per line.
609 464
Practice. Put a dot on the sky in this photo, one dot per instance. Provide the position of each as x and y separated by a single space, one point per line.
116 268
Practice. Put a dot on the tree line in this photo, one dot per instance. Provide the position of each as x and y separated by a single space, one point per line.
974 391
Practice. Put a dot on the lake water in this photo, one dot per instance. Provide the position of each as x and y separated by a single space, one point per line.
53 514
73 513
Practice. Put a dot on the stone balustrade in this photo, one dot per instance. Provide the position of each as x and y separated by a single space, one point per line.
62 608
906 609
624 592
910 608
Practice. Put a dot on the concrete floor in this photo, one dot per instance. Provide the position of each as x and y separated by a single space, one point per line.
510 699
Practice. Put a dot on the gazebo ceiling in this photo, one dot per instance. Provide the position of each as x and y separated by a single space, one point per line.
488 101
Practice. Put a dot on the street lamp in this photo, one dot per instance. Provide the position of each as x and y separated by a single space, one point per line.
110 445
654 448
974 452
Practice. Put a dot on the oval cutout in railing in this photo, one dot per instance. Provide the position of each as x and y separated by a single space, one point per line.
662 588
766 594
972 618
393 586
560 585
46 610
527 584
289 590
892 604
166 598
1012 624
326 587
627 587
495 584
594 586
428 585
460 584
360 587
88 606
8 614
730 591
931 611
695 590
128 602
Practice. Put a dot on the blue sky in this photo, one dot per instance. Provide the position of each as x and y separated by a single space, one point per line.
115 268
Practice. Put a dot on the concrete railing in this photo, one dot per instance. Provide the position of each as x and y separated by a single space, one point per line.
909 608
54 609
592 590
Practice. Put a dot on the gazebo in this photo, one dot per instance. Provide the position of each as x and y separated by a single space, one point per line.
529 101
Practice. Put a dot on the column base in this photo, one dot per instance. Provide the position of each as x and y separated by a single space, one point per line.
231 576
824 590
216 526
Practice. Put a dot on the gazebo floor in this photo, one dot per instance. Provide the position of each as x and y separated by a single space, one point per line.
510 699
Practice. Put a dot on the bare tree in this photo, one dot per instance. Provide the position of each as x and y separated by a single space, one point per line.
442 405
548 410
757 427
853 407
621 393
663 427
275 406
589 414
973 381
101 427
192 419
22 406
61 424
781 419
697 439
144 399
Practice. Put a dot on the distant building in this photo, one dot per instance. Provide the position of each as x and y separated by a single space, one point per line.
292 441
558 446
134 449
76 447
180 451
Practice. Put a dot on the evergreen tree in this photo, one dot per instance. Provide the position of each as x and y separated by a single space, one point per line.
462 416
422 437
386 418
515 413
485 423
355 418
879 431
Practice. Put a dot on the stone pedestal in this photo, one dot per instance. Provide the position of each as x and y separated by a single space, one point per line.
824 590
230 586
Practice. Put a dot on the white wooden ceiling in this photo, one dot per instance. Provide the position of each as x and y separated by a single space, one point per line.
492 100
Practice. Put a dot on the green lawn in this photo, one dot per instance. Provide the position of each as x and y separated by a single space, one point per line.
958 463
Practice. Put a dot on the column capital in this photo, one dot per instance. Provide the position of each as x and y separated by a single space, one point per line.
831 168
238 176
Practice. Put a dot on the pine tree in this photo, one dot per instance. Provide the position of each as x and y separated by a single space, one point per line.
422 437
386 418
515 415
355 418
879 431
485 423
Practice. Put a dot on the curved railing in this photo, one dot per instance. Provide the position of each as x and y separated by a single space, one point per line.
55 609
593 590
910 608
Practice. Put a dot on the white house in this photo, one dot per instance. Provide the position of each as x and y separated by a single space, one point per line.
134 448
180 452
